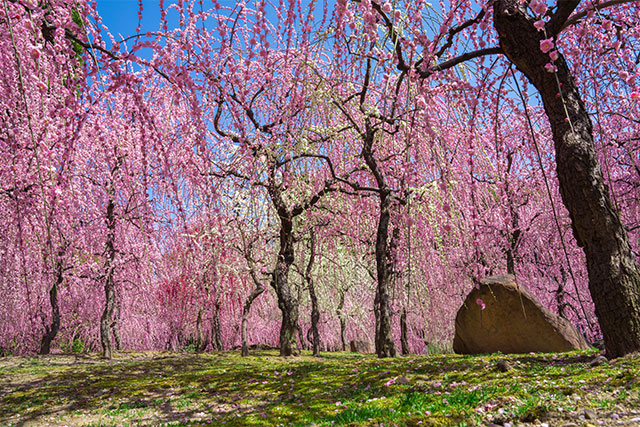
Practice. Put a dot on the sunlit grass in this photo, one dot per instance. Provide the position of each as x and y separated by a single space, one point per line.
339 389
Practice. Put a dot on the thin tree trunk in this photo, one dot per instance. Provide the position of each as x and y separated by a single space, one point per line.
52 329
216 331
315 313
343 322
561 295
404 336
202 340
385 346
257 291
115 329
614 275
107 314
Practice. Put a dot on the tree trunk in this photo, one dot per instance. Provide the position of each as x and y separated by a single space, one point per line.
343 322
259 289
287 302
561 296
216 331
52 329
385 346
315 313
404 338
109 286
614 276
115 330
202 340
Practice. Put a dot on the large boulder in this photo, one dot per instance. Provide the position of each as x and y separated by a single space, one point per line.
502 316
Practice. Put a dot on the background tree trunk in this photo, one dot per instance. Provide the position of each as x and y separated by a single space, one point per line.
315 313
614 276
109 286
52 329
343 321
216 331
404 336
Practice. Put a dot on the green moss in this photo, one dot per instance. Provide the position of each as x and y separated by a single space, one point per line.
341 388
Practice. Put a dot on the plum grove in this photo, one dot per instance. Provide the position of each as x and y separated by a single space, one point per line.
303 174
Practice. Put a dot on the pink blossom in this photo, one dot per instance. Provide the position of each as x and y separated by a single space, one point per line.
539 25
554 55
35 53
481 303
635 95
386 7
539 7
550 68
546 45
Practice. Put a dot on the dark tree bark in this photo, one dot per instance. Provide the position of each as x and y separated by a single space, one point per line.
202 339
52 329
315 313
404 336
247 251
115 329
343 321
385 346
614 276
287 302
109 285
561 296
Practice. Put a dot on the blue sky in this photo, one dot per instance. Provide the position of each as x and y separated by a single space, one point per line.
121 16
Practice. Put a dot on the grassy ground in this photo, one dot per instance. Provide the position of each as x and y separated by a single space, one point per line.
153 388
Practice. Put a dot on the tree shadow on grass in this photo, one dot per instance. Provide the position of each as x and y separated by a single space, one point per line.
206 388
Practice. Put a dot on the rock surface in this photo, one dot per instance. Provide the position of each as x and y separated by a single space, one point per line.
502 316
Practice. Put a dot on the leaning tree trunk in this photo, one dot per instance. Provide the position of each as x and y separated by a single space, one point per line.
258 290
614 276
52 329
109 286
315 313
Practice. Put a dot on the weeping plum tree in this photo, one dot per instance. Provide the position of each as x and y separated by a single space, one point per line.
260 92
528 35
529 41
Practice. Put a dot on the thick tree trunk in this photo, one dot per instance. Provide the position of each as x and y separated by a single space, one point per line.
109 286
52 329
404 336
614 276
287 302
